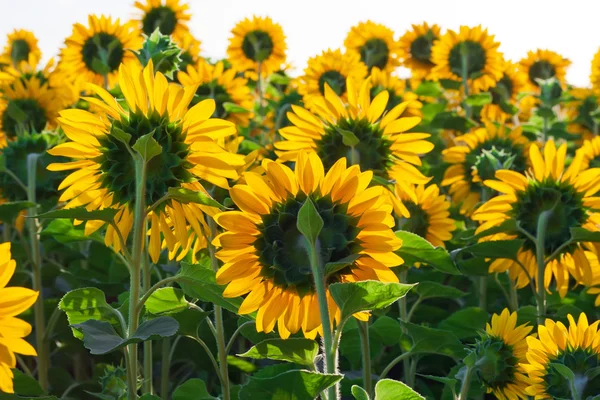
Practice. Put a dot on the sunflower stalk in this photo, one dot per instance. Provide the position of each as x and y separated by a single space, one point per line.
404 317
542 225
165 368
466 383
147 282
464 54
363 330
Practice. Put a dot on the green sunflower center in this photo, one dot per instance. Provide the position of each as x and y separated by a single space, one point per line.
162 18
213 90
420 48
496 363
102 53
335 80
375 53
372 152
581 362
470 53
541 70
493 155
257 45
168 169
503 90
393 99
23 115
19 51
417 223
282 248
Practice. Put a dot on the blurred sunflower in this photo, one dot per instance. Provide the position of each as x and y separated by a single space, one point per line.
544 64
569 193
262 248
22 46
190 50
358 131
93 54
505 93
223 86
257 42
415 48
374 44
334 68
104 171
579 113
168 16
590 153
595 74
473 46
396 88
576 347
13 301
477 156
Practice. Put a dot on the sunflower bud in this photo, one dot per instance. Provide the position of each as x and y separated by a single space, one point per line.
163 52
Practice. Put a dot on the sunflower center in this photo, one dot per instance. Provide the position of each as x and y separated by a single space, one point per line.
212 90
168 169
496 363
102 51
375 53
417 223
541 70
162 18
503 90
420 48
19 51
282 248
23 115
257 45
579 361
372 152
492 155
335 80
471 54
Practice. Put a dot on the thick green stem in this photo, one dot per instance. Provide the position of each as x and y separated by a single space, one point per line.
482 287
6 233
165 368
148 358
404 317
36 262
512 291
540 256
363 330
465 76
466 383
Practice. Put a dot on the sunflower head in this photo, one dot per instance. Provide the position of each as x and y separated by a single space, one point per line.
580 112
415 48
397 91
168 16
590 153
542 65
190 49
22 46
595 73
504 93
375 45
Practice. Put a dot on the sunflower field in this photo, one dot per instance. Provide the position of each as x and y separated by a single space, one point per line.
181 227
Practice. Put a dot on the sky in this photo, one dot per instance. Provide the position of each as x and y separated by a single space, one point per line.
567 27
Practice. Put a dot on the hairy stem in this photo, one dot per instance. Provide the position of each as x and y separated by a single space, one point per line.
363 330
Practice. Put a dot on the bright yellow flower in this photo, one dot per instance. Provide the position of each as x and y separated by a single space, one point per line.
544 64
22 46
507 89
595 74
374 44
579 112
415 48
398 93
168 16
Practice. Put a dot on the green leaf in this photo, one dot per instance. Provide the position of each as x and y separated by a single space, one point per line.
189 321
333 267
147 147
100 67
165 301
496 249
354 297
192 389
241 364
583 235
466 322
386 330
120 135
193 196
430 290
433 341
234 108
510 225
527 314
80 213
295 350
348 137
415 249
85 304
429 89
563 370
388 389
309 221
99 337
441 379
10 211
149 396
479 100
359 393
64 231
25 385
475 266
279 79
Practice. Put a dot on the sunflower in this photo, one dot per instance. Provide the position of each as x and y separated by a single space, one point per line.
223 86
333 68
476 48
579 112
568 193
93 54
358 131
255 43
415 48
476 157
104 175
13 301
590 153
396 88
190 50
505 93
576 347
168 16
262 248
595 74
22 46
428 210
374 44
544 64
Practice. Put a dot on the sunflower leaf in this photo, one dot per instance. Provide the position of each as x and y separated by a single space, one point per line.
193 196
415 249
147 147
510 225
10 211
120 135
165 301
430 290
389 389
496 249
479 99
333 267
192 389
359 393
295 350
234 108
348 137
582 235
309 222
80 213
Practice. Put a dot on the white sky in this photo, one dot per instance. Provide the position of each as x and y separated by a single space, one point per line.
568 27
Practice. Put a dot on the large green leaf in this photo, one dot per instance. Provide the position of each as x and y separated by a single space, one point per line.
10 211
192 389
359 393
388 389
166 301
64 231
479 99
296 350
583 235
415 249
433 341
386 330
430 290
80 213
85 304
496 249
193 196
466 322
189 321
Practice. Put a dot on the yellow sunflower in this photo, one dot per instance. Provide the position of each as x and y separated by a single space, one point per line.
22 46
13 301
473 46
415 48
262 248
257 42
359 131
190 49
396 88
333 68
428 210
579 113
505 92
374 44
168 16
93 54
476 156
595 74
568 193
576 347
104 170
590 153
544 64
223 86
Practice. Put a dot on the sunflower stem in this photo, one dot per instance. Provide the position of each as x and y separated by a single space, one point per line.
513 299
165 368
363 330
465 75
36 262
466 384
540 256
148 358
404 317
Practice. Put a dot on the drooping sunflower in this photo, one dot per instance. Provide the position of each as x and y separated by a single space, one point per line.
332 67
576 347
595 74
168 16
359 131
579 112
263 250
428 209
396 88
22 46
104 175
505 92
544 64
13 301
475 158
94 52
568 193
374 44
257 42
475 48
415 48
223 86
